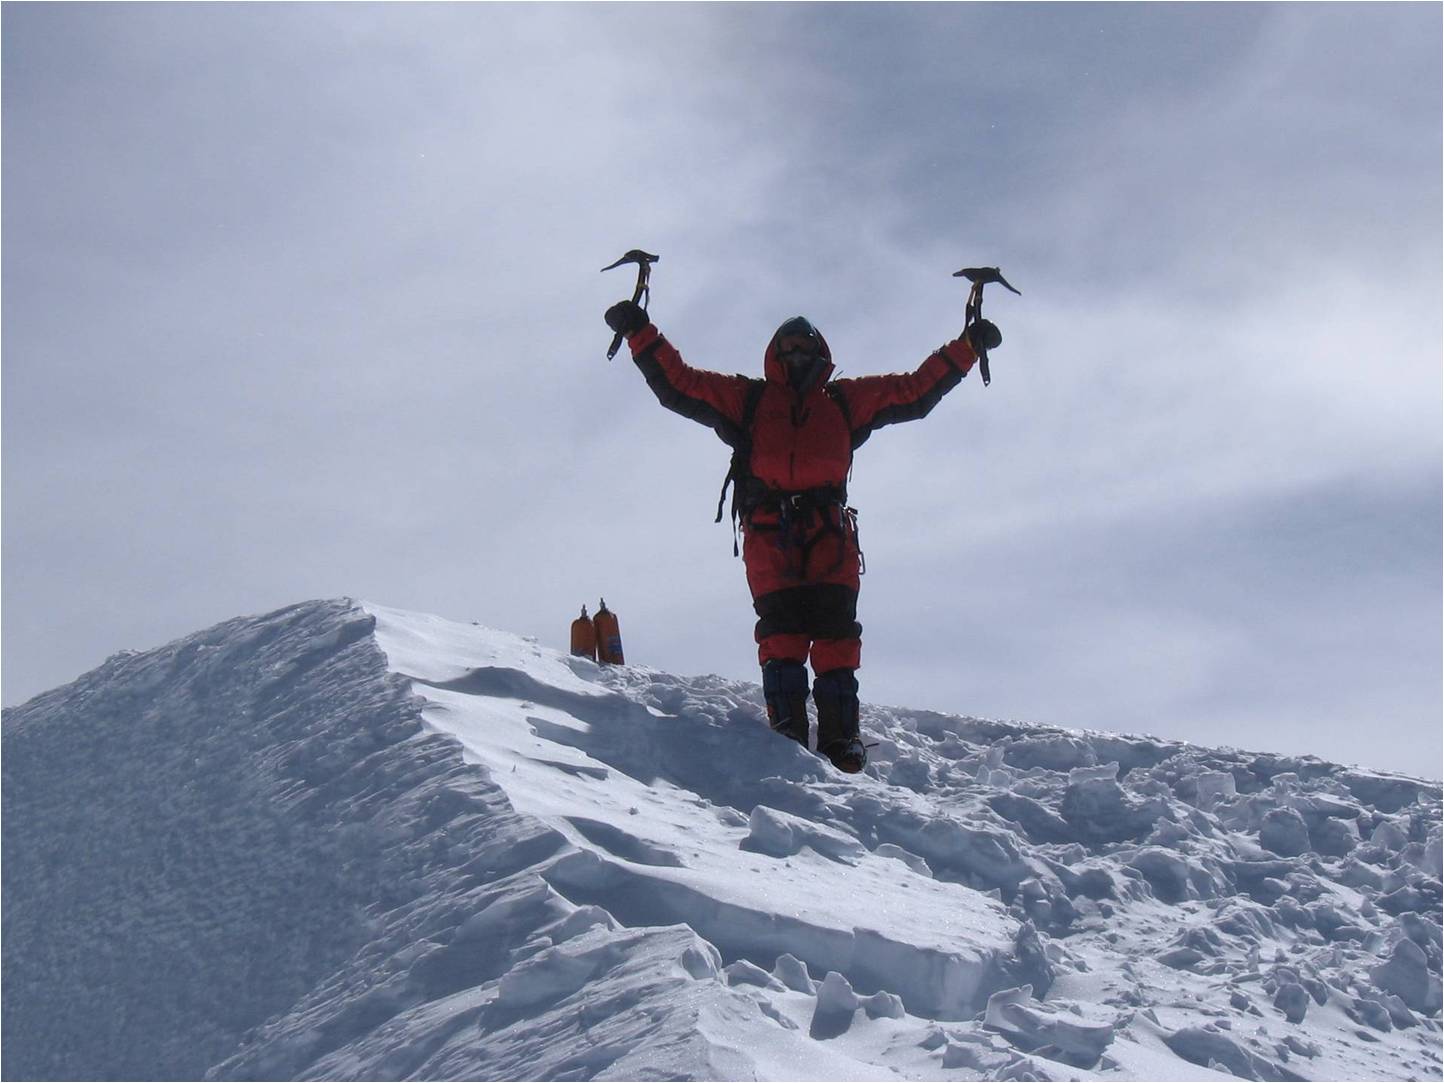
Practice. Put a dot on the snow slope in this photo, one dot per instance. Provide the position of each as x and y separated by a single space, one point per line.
343 841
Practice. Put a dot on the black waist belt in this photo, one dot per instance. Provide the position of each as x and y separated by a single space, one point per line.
791 504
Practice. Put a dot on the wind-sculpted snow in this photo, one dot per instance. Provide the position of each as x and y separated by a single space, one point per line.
350 842
189 840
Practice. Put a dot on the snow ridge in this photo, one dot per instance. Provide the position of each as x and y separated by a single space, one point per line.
344 841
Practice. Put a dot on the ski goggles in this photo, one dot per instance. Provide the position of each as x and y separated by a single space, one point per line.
798 335
798 346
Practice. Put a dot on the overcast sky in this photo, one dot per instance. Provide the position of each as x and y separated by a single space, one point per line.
303 301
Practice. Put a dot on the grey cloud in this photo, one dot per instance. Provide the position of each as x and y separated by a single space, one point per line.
304 300
1298 624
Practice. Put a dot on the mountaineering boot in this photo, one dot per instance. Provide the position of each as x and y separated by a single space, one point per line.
784 687
838 736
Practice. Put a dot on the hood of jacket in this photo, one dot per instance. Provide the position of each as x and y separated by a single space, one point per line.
776 372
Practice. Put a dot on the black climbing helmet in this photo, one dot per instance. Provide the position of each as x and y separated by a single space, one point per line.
798 335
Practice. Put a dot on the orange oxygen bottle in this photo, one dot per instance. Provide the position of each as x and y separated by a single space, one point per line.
609 636
584 636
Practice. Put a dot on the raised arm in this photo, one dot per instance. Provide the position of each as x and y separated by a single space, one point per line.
875 401
711 398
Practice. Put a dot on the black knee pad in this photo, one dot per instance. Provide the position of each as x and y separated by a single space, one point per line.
821 611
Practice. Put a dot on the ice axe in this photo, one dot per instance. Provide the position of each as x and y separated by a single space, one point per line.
644 290
980 277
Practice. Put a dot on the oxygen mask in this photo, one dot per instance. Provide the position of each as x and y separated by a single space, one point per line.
800 350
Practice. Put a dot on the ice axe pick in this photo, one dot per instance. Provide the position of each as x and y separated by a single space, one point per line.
980 277
642 295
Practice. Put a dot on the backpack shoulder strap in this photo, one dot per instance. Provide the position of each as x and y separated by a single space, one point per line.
835 394
749 406
742 449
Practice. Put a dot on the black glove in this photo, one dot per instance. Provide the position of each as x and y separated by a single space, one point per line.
627 317
984 336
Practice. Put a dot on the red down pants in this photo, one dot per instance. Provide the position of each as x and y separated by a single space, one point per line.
803 569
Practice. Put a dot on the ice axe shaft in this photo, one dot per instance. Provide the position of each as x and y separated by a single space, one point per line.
980 277
644 262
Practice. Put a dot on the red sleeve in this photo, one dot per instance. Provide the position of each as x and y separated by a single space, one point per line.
712 398
875 401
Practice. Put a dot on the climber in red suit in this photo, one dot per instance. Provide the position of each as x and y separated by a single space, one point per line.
793 434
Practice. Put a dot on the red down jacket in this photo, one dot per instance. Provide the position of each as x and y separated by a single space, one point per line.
799 444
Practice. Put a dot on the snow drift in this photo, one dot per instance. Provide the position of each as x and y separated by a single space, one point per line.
342 841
